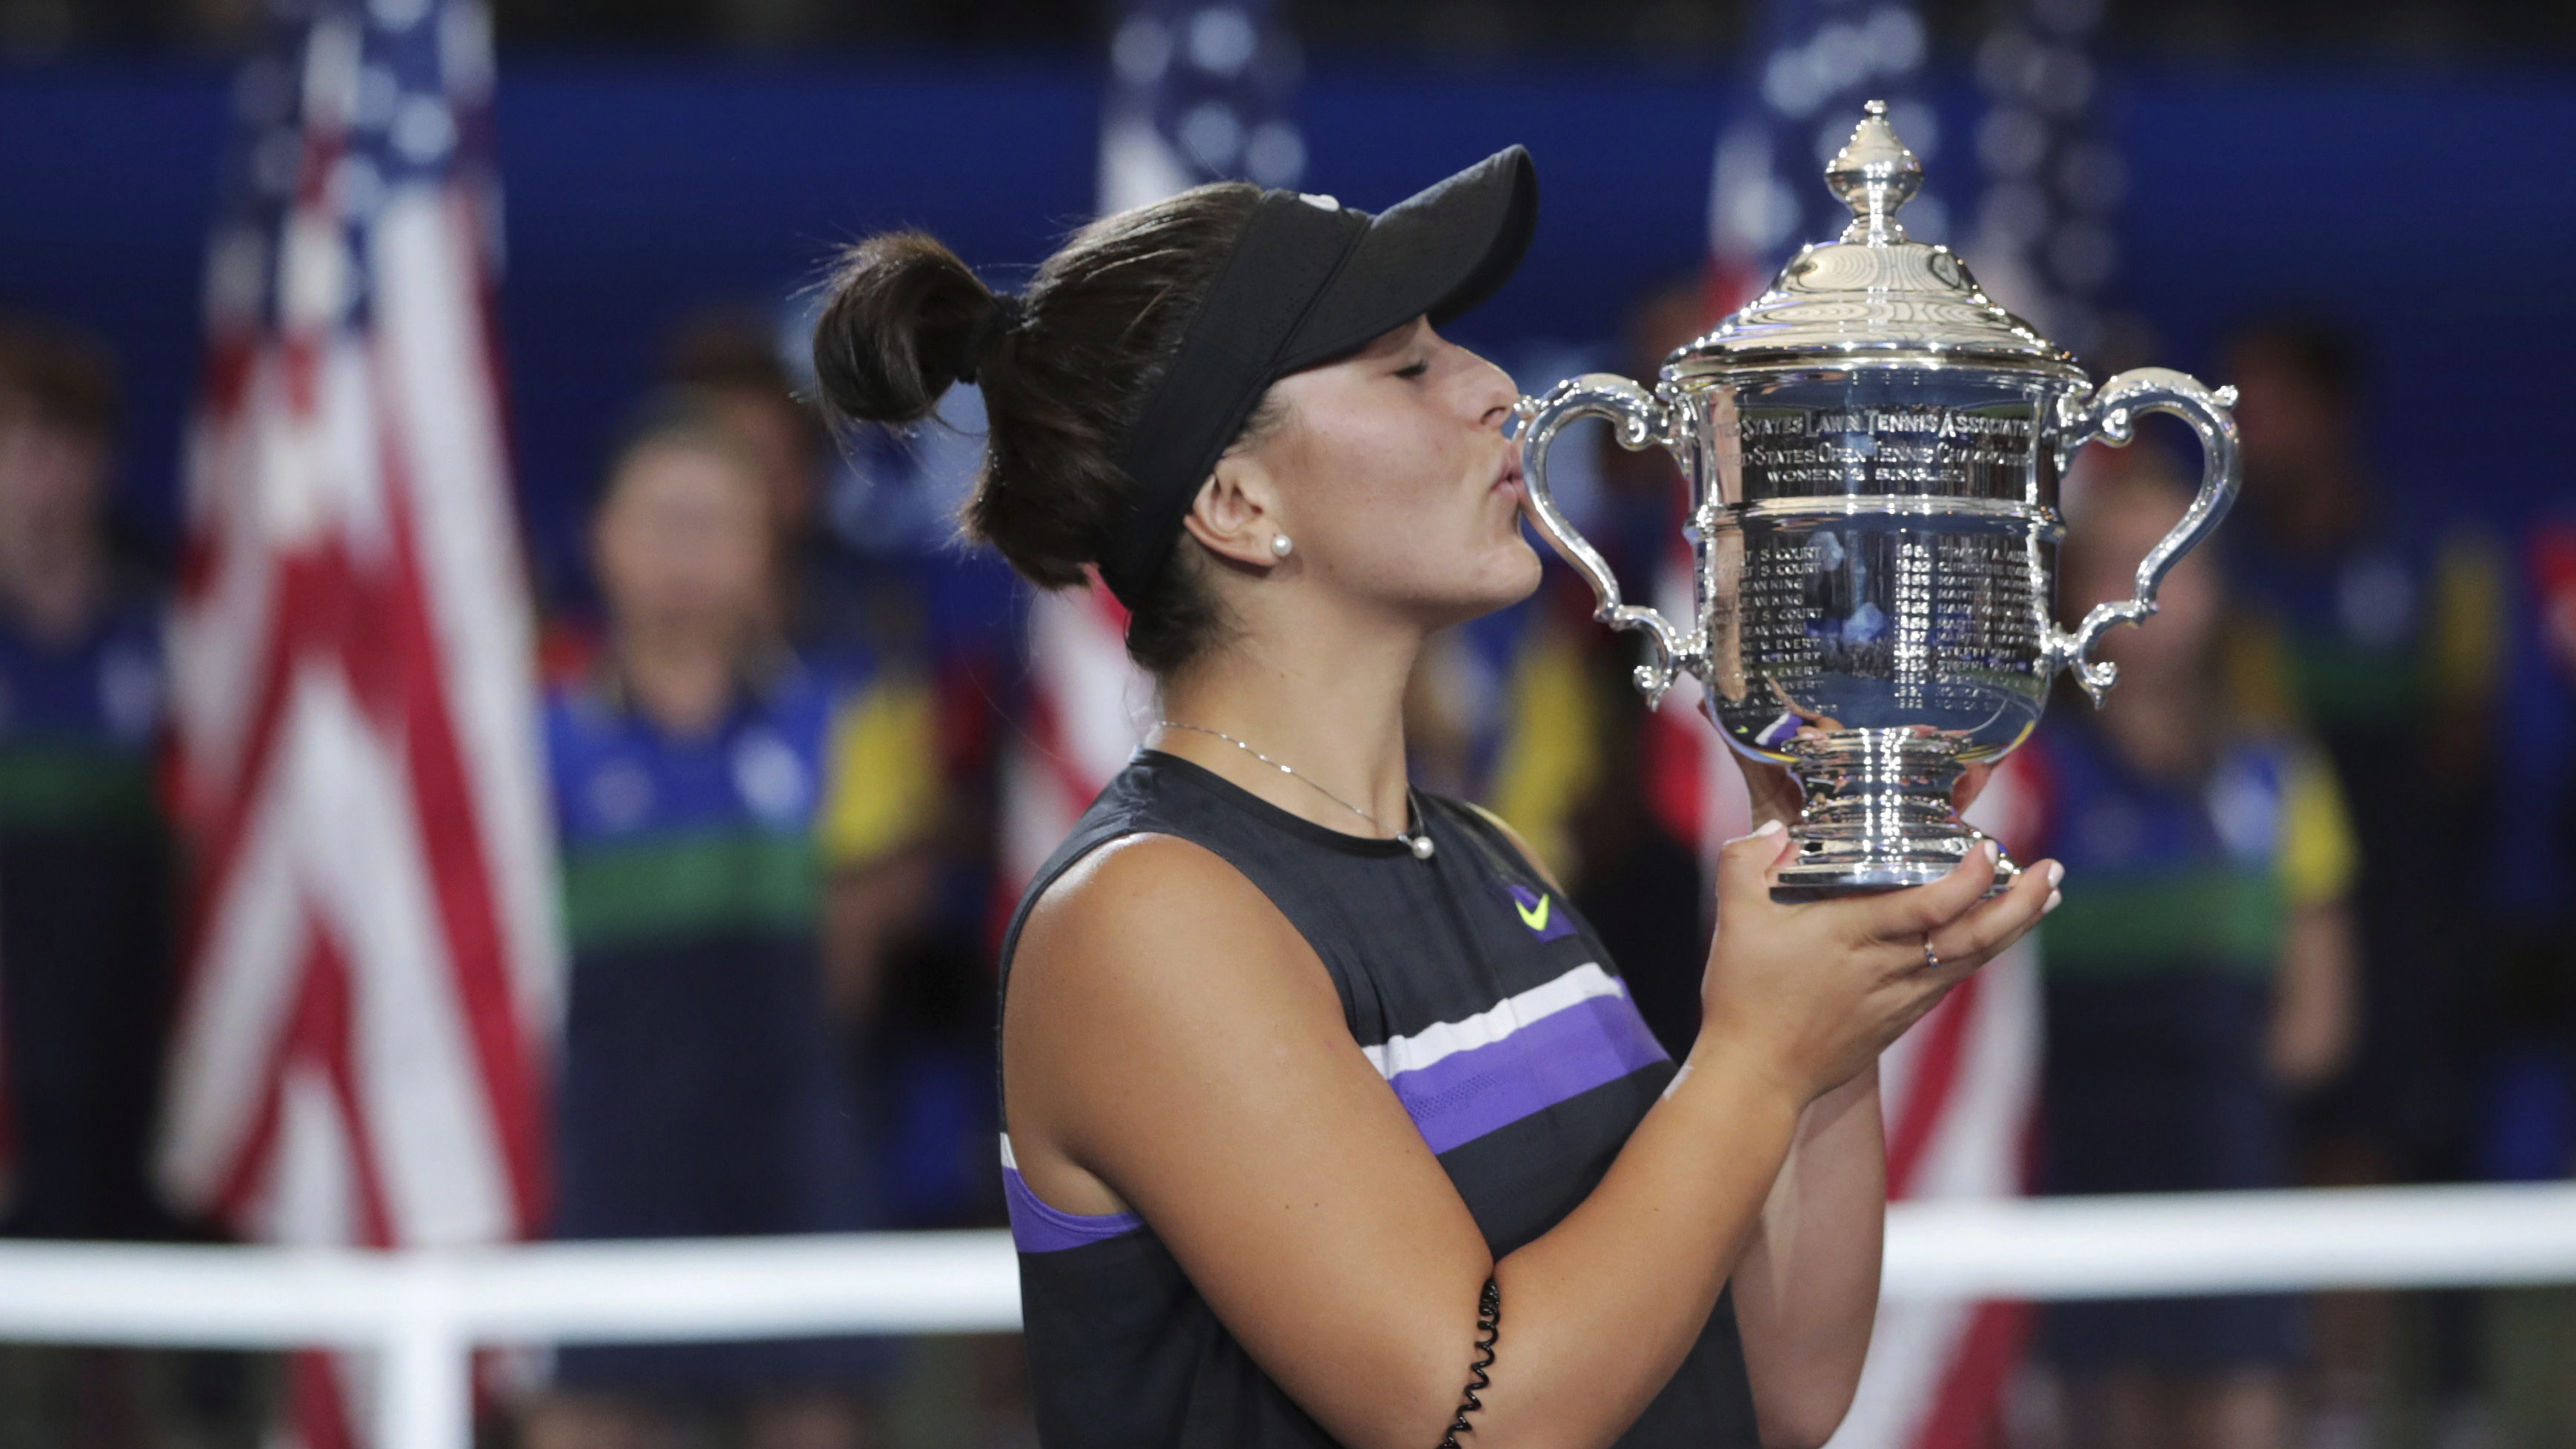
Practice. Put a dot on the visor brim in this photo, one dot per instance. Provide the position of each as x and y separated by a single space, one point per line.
1438 253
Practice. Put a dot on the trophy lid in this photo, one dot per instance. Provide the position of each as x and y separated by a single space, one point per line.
1872 297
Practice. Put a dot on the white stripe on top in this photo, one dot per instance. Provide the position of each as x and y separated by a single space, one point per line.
1447 1038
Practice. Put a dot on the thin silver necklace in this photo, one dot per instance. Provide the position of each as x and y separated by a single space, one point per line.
1419 842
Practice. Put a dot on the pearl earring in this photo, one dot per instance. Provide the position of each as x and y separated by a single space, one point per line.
1280 547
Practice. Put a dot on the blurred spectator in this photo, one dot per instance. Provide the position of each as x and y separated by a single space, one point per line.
2198 967
2381 630
2383 636
857 623
87 897
85 871
730 359
705 783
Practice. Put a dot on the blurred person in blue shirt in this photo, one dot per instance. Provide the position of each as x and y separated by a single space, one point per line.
707 785
86 885
88 895
729 358
2197 974
905 960
2381 627
842 618
2382 630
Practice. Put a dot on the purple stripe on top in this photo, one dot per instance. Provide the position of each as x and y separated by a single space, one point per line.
1564 1054
1037 1228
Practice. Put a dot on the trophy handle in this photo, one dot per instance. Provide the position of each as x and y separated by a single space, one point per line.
2110 415
1641 418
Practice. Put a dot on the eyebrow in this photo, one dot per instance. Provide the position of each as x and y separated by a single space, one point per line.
1394 341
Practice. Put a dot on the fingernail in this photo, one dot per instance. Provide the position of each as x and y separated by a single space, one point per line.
2056 874
1993 852
2053 898
1769 827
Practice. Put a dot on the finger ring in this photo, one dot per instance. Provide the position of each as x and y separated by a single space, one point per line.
1930 957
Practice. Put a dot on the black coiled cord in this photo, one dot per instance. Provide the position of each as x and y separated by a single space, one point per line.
1489 1322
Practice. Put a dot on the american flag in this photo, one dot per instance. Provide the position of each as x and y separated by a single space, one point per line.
1959 1089
2041 241
1198 92
373 966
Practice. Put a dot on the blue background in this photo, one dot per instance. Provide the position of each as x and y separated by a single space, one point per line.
2424 210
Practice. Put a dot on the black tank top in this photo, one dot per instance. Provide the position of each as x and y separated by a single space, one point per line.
1498 1022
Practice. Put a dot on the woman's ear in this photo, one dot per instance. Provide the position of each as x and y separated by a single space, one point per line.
1236 516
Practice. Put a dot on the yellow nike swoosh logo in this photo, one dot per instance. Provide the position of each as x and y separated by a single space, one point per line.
1536 920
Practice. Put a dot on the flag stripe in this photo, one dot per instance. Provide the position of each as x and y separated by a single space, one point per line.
1969 1401
1926 1100
372 962
442 803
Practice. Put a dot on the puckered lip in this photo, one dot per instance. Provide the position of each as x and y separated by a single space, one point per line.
1509 477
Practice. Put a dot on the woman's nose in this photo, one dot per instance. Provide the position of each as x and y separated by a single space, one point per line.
1495 392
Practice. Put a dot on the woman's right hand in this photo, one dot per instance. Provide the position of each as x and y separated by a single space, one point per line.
1811 993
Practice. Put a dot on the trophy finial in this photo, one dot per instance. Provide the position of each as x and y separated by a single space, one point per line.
1874 174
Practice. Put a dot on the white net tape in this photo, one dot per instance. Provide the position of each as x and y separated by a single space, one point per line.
426 1310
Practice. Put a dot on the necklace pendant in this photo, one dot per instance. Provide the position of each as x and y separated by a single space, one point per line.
1419 844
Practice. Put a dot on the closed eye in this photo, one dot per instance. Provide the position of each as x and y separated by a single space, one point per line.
1415 368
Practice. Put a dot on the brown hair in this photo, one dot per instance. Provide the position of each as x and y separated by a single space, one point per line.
677 418
732 351
1063 381
58 377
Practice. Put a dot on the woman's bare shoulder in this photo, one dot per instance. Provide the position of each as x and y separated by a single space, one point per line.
1155 991
1153 936
1142 888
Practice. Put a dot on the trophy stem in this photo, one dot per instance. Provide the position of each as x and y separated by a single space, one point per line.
1878 815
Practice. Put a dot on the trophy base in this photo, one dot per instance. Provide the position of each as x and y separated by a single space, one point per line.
1878 816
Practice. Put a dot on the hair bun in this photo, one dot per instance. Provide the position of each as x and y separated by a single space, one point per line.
905 319
1005 318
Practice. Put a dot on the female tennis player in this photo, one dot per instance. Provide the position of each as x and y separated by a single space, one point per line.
1328 1120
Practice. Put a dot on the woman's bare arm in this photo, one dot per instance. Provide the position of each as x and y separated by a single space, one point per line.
1806 1292
1173 1045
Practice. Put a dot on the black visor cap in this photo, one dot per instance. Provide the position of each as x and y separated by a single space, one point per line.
1308 282
1437 253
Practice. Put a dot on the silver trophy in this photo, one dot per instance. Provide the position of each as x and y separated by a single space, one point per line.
1872 449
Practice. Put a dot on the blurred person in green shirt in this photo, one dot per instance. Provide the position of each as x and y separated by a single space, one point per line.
709 786
2197 975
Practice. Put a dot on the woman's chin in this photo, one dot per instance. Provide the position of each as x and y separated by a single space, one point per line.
1510 575
1526 569
1498 577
